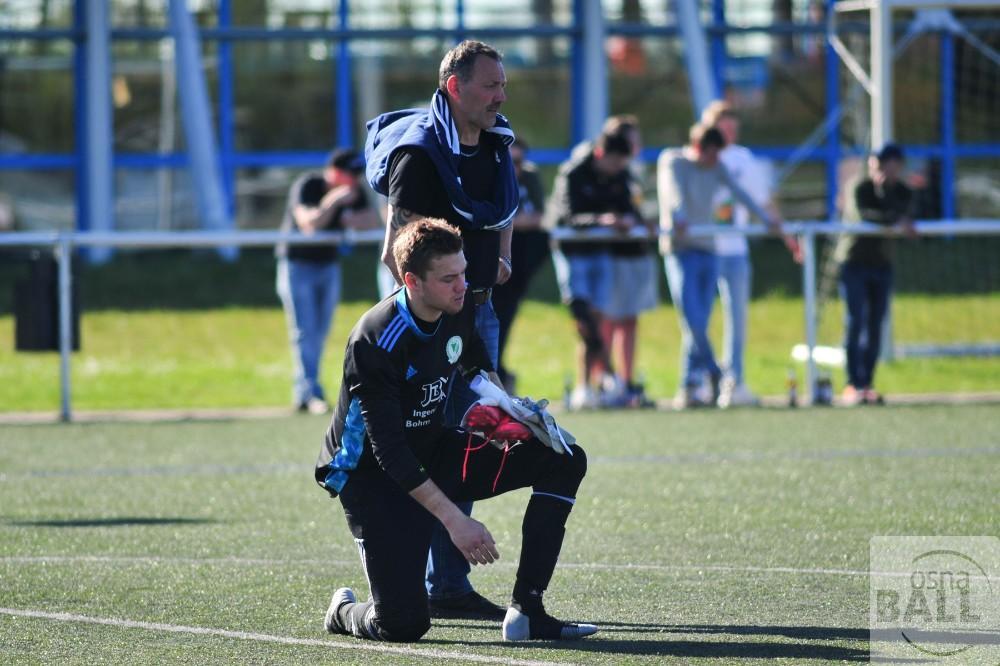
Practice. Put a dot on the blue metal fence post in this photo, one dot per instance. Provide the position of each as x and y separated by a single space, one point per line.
697 58
80 114
948 169
832 159
345 92
590 67
64 255
719 55
809 302
197 121
98 149
225 84
576 133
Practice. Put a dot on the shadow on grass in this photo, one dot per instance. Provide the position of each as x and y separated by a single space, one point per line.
804 633
719 649
761 649
123 521
695 649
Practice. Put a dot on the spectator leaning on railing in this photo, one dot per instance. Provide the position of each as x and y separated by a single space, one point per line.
633 278
866 266
688 180
733 250
593 190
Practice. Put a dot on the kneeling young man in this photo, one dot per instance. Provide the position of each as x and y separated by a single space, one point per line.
396 468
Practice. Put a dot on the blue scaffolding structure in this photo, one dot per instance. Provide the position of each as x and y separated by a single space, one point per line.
92 37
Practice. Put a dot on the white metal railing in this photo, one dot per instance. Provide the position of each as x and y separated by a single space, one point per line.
63 244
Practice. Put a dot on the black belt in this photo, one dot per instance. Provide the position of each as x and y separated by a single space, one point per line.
481 296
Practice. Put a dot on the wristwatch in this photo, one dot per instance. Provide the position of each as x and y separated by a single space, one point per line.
506 260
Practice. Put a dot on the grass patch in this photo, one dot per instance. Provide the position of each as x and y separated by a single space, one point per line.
239 356
672 546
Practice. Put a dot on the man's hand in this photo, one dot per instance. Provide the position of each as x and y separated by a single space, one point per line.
617 221
774 226
473 540
908 228
342 195
470 536
624 223
792 243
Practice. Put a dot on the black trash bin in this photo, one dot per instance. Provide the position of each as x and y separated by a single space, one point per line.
36 306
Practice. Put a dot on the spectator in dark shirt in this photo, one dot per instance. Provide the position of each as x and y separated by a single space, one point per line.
308 277
866 267
593 190
634 280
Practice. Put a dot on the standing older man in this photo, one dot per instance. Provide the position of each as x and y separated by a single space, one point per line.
452 162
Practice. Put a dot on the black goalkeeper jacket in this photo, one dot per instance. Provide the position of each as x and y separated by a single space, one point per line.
390 412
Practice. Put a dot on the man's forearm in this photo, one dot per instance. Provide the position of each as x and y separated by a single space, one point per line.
387 257
584 220
397 219
505 239
437 503
400 217
310 219
361 220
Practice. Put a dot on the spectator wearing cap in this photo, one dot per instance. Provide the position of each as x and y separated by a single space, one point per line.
308 276
880 197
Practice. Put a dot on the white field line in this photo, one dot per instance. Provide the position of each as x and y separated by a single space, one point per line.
241 561
429 653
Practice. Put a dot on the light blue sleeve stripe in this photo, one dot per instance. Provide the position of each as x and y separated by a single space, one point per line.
390 329
391 342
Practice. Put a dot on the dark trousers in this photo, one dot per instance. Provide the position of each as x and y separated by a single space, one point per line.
393 531
865 290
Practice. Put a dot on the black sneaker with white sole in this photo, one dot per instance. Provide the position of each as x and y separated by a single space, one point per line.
469 606
540 626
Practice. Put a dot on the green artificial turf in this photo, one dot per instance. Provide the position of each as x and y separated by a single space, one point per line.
710 537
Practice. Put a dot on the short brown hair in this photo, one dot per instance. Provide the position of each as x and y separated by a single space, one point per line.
461 59
620 124
613 143
421 242
716 111
705 136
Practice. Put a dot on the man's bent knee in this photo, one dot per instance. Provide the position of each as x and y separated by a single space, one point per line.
578 462
403 627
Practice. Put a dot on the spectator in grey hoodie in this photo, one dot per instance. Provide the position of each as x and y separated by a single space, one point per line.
687 182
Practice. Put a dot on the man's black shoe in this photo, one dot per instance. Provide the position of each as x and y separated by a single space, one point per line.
469 606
